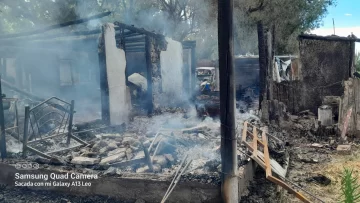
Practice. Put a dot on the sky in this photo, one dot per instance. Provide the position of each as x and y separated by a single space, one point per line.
346 14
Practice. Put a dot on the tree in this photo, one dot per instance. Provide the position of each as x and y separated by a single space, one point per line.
357 62
179 19
289 17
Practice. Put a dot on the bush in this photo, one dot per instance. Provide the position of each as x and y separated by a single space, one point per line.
350 187
357 62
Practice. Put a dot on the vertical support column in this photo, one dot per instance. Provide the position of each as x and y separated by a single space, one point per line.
262 63
270 60
70 122
351 60
104 88
17 120
2 125
26 130
229 188
148 49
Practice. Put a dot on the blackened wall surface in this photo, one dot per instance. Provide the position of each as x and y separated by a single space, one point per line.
325 64
135 63
246 75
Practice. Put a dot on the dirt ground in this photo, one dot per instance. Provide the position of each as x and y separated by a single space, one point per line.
315 164
15 195
330 166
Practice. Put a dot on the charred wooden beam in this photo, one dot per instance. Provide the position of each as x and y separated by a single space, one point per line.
351 60
137 30
126 34
135 47
52 27
133 35
189 44
130 50
2 126
135 43
262 46
26 130
131 40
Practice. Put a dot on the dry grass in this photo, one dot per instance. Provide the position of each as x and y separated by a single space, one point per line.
334 171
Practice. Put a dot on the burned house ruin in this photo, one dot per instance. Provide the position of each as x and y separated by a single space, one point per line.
120 74
67 66
320 76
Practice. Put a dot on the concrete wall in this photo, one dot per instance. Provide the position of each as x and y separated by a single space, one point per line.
187 70
115 68
171 62
325 64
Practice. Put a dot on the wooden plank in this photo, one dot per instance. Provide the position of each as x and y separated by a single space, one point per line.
244 132
266 155
264 160
255 142
275 166
288 188
259 161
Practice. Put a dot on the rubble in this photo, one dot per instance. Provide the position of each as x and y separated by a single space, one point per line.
85 161
113 158
344 149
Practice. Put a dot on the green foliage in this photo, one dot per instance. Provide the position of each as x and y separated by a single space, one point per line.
289 17
357 62
350 187
179 19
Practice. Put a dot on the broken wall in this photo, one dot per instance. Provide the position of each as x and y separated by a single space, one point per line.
187 70
324 65
350 106
119 95
171 62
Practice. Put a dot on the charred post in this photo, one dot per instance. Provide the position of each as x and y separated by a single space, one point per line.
262 62
26 130
270 57
227 102
2 125
70 122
